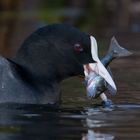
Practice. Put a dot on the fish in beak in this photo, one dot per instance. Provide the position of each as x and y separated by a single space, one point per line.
97 76
92 70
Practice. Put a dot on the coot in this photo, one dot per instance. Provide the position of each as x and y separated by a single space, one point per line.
48 56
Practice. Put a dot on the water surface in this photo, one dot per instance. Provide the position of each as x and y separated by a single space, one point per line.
39 122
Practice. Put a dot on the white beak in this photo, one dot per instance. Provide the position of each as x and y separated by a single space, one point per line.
98 67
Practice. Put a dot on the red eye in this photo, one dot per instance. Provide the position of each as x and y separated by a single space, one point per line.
78 47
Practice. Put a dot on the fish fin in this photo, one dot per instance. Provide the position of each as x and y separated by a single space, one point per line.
117 50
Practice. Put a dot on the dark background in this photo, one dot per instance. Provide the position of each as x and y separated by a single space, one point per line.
18 18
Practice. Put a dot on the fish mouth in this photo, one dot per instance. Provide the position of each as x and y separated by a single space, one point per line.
87 68
93 81
89 81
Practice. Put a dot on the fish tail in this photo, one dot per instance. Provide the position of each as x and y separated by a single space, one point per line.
116 50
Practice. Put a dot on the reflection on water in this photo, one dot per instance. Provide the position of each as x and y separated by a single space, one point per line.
34 122
91 135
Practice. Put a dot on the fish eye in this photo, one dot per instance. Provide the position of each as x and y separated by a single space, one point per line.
78 47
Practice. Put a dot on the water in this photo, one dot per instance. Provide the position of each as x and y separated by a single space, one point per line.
39 122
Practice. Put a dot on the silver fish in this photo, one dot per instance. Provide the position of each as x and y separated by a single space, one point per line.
96 85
